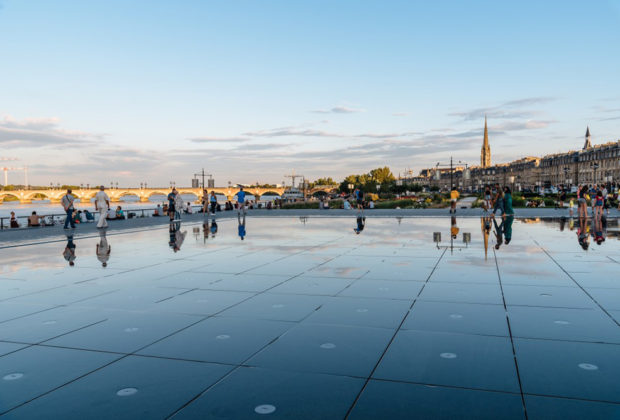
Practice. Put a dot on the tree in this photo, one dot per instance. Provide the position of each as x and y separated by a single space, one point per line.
382 175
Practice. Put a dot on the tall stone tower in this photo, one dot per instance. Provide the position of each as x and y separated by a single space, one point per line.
587 144
485 154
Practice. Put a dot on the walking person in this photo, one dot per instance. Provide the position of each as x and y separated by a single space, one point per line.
508 210
454 195
241 202
599 201
178 205
582 205
359 198
213 203
487 198
67 203
562 198
102 205
171 201
205 201
498 200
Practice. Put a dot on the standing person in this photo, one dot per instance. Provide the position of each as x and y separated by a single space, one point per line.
103 249
213 202
582 205
102 205
454 195
508 202
359 198
241 202
205 201
498 200
487 198
599 201
67 203
171 200
562 198
178 205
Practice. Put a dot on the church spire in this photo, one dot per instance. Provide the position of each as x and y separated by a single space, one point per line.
587 144
485 153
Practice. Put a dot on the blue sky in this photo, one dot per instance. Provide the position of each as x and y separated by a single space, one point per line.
131 91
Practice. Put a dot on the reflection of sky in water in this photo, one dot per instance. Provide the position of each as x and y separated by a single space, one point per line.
313 309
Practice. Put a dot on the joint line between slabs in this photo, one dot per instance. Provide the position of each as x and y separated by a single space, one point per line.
359 394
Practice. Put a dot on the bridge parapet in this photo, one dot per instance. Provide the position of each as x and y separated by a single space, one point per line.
85 195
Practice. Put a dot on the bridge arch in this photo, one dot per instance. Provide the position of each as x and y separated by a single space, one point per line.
37 195
4 195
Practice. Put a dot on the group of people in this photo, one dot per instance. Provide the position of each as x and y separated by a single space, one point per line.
498 198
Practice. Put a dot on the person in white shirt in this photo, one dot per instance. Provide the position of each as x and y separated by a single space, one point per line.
102 205
371 204
178 205
189 210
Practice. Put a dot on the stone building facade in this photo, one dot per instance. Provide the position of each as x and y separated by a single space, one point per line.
593 164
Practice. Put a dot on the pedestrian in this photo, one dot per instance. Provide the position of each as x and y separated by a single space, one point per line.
582 206
241 202
487 198
599 201
359 198
213 202
67 203
498 200
171 200
562 198
205 201
454 195
508 202
178 205
102 205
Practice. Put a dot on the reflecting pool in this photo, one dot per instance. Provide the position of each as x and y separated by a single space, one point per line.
295 318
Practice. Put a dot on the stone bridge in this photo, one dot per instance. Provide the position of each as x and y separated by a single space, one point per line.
143 194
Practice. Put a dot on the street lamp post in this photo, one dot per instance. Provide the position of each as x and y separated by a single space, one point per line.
594 166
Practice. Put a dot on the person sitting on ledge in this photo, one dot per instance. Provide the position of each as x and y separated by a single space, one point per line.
188 209
119 213
34 220
89 216
157 211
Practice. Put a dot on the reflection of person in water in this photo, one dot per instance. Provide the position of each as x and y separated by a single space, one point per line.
599 228
485 226
508 220
103 249
176 236
361 223
69 252
454 229
499 232
582 233
241 226
206 229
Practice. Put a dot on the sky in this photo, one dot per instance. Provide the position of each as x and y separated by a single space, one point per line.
154 91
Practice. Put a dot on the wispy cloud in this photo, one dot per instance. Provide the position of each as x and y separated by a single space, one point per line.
40 132
310 132
219 139
338 110
400 114
506 110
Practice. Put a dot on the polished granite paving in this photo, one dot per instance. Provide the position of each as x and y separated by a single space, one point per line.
303 318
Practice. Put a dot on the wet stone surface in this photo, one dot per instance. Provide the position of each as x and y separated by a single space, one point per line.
304 318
